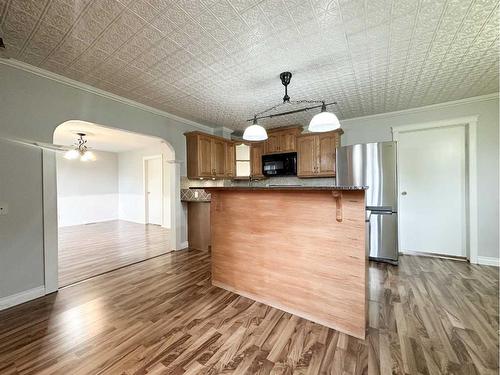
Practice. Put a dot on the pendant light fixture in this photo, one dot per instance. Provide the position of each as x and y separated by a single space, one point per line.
322 122
80 151
255 132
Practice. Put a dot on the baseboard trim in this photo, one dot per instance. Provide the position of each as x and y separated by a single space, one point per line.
488 261
21 297
434 255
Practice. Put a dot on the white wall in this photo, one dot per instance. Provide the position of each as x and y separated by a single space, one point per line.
377 128
87 192
32 106
131 183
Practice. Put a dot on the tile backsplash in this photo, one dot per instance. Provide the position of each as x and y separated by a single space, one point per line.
285 180
187 183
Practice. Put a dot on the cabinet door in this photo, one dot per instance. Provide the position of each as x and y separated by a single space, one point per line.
326 154
230 159
218 158
307 156
256 151
204 156
287 141
273 143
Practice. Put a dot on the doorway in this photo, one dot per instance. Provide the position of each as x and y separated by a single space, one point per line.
153 187
106 218
436 170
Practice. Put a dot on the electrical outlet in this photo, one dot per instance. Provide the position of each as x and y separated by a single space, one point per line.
196 194
4 208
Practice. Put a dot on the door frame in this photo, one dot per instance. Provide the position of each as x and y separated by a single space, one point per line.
145 160
470 127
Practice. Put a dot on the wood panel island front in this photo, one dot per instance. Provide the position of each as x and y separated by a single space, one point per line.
299 249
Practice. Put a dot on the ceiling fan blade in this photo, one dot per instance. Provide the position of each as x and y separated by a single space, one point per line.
41 145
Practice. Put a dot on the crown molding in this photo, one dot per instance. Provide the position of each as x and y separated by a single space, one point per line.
473 99
224 129
108 95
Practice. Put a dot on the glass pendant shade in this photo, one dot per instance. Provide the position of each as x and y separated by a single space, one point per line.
324 121
72 154
255 132
88 156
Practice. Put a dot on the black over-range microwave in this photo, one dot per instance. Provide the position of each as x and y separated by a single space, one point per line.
279 164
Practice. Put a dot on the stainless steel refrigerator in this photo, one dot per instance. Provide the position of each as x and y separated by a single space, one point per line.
374 165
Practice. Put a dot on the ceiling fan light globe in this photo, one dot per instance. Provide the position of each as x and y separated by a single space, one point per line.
324 122
71 154
88 156
255 133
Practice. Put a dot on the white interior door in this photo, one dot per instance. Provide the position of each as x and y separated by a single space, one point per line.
432 190
153 191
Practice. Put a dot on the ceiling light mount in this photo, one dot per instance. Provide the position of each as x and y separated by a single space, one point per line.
80 150
285 80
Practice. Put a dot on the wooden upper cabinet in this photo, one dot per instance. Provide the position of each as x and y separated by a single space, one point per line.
307 156
230 159
281 140
256 152
219 158
209 156
214 157
288 141
203 155
316 154
327 144
272 144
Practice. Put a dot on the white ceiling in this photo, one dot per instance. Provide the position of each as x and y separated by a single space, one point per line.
218 61
102 138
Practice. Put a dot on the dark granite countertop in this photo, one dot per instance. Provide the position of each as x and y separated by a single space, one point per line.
285 187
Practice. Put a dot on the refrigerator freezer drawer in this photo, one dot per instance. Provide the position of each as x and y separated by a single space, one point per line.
384 236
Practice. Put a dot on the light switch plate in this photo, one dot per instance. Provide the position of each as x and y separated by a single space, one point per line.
4 208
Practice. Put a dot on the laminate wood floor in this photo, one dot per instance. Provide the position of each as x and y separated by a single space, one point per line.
162 316
89 250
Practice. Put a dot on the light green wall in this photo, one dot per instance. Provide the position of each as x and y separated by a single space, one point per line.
378 128
32 106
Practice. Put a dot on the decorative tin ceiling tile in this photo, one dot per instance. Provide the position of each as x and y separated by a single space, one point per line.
218 61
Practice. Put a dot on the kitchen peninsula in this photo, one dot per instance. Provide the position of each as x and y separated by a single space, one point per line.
299 249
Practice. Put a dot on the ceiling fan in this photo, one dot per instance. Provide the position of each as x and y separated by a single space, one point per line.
78 150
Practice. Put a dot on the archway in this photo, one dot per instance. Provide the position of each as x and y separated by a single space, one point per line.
100 137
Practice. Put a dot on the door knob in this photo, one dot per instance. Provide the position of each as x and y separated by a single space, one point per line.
404 193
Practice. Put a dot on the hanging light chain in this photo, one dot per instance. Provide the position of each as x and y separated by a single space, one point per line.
323 106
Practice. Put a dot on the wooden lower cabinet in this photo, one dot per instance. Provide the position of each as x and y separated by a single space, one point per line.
316 154
199 225
256 152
